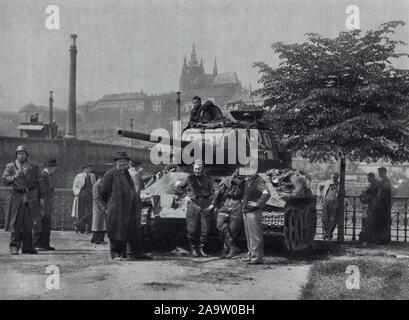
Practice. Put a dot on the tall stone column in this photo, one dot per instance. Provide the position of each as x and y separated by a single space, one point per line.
71 131
50 115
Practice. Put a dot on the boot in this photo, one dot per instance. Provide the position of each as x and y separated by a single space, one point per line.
234 250
202 253
225 251
193 251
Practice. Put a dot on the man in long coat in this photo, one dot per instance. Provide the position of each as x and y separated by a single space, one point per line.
82 205
382 217
368 199
123 210
41 236
23 211
98 215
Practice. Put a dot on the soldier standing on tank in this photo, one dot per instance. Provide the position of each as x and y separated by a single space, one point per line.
136 176
199 188
41 236
255 197
228 198
26 199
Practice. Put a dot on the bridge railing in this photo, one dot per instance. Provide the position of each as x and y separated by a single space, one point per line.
353 215
62 208
353 218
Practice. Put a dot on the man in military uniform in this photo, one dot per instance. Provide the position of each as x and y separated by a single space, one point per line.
228 198
199 188
41 236
204 113
25 201
255 197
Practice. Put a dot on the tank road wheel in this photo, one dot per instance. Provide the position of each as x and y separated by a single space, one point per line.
312 221
297 228
286 229
291 229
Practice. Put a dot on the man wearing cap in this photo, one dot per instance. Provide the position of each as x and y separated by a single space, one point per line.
199 189
329 194
82 205
25 201
123 210
41 235
256 194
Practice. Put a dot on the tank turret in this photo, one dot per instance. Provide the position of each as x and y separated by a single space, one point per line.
221 144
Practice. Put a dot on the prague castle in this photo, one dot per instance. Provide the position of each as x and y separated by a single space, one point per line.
218 87
147 111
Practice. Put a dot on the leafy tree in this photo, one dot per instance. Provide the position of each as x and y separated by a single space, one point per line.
341 98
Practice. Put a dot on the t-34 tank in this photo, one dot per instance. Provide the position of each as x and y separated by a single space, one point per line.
290 212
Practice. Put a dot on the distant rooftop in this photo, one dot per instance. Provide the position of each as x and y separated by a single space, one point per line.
225 78
124 96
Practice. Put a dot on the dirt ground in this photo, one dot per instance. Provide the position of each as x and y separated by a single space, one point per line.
86 272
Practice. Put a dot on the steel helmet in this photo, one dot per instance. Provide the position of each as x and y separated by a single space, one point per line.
22 148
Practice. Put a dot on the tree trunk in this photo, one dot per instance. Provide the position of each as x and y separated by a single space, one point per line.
341 198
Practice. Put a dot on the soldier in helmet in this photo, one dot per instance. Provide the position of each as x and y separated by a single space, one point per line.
199 188
25 202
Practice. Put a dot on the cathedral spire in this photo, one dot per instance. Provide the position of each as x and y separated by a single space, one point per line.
184 64
193 59
215 67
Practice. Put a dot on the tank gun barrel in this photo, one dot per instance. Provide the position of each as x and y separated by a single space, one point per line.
149 138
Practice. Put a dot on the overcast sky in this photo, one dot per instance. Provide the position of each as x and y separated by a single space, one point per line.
134 45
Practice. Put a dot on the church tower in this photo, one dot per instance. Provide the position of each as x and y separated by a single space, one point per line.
215 68
183 76
193 59
192 72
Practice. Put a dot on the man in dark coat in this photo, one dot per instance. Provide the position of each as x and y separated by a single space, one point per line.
98 215
123 210
382 214
207 112
41 236
256 194
228 198
368 199
25 201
